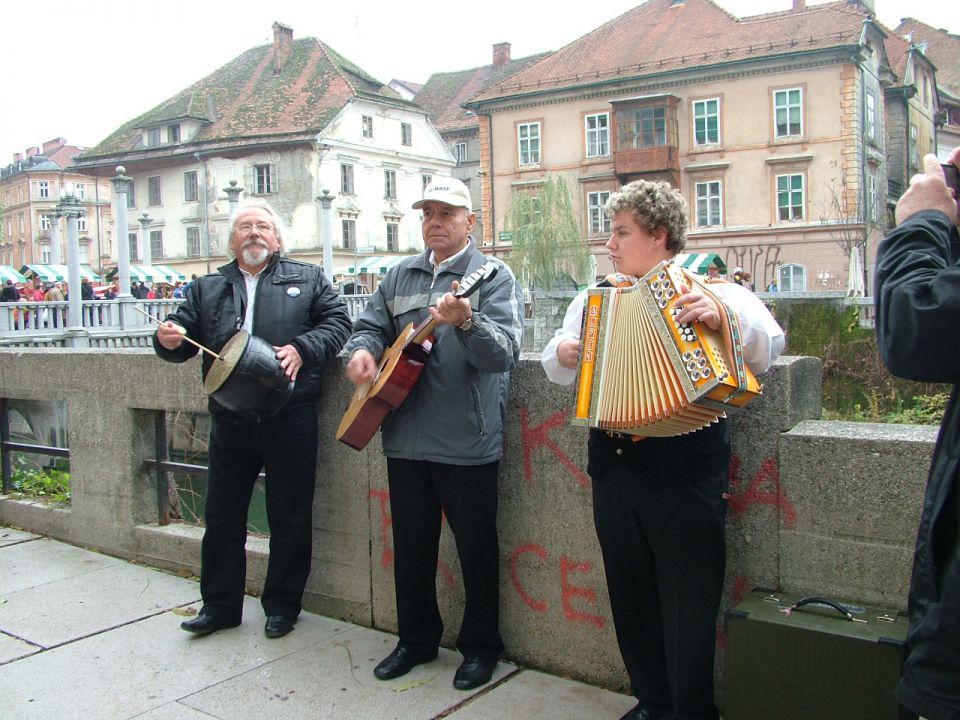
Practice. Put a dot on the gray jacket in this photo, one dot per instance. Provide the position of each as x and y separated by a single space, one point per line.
455 412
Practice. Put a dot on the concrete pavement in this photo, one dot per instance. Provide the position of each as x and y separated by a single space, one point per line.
86 635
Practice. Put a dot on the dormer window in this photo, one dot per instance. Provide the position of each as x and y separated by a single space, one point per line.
173 133
153 137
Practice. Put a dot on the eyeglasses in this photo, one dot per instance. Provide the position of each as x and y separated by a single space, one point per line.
262 227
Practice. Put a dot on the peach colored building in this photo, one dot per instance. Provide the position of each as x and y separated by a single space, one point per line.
774 127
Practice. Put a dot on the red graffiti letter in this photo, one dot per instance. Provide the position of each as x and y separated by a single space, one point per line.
569 591
386 557
537 605
755 494
533 438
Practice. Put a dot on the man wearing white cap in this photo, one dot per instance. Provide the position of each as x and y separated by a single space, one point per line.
443 444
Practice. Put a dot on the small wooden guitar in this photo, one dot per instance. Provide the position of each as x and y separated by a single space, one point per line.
399 370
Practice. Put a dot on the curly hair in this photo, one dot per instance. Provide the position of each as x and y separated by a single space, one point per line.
654 205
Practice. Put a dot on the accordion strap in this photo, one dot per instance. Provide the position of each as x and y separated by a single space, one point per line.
729 327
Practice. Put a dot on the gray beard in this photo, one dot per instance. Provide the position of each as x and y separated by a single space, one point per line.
255 254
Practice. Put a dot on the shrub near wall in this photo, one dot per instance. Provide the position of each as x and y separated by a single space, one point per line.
856 384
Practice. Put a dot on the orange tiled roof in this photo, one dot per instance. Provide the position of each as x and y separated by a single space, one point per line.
244 100
661 36
443 93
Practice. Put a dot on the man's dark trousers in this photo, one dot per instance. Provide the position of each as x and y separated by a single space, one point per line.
286 447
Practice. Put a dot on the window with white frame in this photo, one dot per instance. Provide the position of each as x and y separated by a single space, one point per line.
45 222
173 133
406 134
597 128
393 236
156 244
425 180
134 247
706 122
870 121
788 112
599 222
83 252
191 186
914 148
193 241
80 191
265 179
82 223
873 201
153 137
528 137
349 226
43 189
709 203
131 195
153 191
367 121
390 184
346 178
46 254
792 278
790 197
460 152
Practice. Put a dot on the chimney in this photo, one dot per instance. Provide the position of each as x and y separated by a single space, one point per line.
799 5
282 42
501 54
31 151
17 157
51 146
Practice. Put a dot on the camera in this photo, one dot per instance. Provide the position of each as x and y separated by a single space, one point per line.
952 175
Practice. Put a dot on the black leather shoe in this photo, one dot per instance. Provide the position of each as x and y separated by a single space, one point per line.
473 672
277 626
640 713
204 624
401 661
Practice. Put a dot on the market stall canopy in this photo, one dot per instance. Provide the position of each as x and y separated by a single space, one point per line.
8 272
367 265
699 262
56 273
151 273
378 265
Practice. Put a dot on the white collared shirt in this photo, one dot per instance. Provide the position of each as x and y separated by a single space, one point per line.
441 266
251 281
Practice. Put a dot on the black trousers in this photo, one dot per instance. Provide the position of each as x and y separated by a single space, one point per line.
286 447
467 496
659 511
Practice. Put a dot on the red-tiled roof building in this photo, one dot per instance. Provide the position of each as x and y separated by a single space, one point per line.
285 121
772 126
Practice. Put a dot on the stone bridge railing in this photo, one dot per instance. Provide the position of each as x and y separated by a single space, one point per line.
816 507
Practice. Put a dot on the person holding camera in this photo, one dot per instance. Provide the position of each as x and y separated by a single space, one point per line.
917 306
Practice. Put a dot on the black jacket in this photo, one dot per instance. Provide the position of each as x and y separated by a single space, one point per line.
295 304
918 313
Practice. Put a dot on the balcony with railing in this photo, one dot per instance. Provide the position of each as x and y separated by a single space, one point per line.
647 139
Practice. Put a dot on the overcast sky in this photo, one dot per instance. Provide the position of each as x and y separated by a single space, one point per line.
79 70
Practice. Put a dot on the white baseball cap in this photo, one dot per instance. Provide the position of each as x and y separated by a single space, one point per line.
446 190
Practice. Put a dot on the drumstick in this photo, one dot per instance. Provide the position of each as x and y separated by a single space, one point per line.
183 331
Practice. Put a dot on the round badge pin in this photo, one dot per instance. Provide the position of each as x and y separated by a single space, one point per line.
293 291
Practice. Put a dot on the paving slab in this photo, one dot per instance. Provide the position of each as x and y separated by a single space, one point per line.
37 562
174 711
334 679
12 648
9 536
145 665
532 694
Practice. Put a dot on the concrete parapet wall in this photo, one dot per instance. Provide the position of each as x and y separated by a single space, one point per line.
814 507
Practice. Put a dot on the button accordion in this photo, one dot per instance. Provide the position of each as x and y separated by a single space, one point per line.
641 372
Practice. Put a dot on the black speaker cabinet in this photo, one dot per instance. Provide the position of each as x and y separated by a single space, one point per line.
812 659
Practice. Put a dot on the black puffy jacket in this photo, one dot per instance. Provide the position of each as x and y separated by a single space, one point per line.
295 304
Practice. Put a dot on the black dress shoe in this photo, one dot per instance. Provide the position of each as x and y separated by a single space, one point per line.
641 713
277 626
401 661
473 672
204 624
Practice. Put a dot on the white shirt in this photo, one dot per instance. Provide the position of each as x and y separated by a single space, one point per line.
763 338
251 283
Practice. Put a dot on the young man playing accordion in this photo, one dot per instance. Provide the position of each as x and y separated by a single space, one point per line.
660 502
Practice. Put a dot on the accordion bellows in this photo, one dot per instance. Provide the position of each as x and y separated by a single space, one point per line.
643 373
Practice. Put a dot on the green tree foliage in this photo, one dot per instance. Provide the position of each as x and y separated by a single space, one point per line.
548 244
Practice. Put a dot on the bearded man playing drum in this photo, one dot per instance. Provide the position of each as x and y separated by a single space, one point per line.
292 306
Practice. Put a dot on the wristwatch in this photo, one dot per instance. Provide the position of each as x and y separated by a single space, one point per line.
466 324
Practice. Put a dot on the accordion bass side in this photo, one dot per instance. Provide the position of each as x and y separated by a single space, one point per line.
643 373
